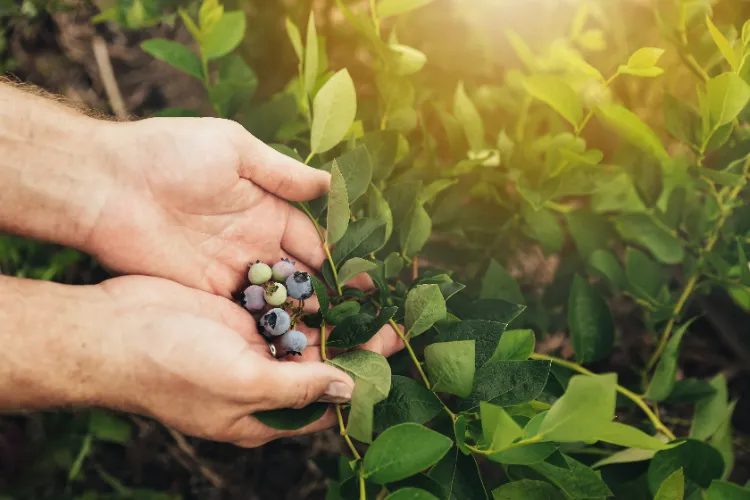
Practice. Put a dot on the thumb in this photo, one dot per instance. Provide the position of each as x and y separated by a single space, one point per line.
279 174
296 385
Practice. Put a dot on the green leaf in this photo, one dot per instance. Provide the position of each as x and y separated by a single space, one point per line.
498 427
630 455
497 283
337 314
394 264
515 345
673 488
338 207
358 329
406 60
492 310
661 242
402 451
356 168
226 35
408 401
632 129
334 110
236 86
507 383
363 237
700 462
526 454
726 95
383 148
720 490
106 427
485 334
424 306
576 480
450 366
644 275
459 476
177 113
411 494
592 327
311 56
366 365
664 376
416 230
724 46
555 92
294 37
353 267
321 293
190 24
527 489
378 209
625 435
360 422
468 116
290 419
723 439
542 226
175 54
711 412
388 8
606 264
643 63
720 177
586 408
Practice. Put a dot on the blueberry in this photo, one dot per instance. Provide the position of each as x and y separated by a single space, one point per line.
259 273
299 286
275 294
252 298
274 323
282 270
294 342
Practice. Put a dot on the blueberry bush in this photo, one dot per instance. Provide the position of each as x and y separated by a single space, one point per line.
623 166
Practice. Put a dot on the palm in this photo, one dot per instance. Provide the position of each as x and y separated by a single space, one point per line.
199 221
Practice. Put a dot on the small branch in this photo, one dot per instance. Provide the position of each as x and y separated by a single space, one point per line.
323 353
103 62
411 352
216 480
342 431
635 398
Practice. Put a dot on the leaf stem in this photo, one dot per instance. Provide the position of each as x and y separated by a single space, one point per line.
342 431
325 246
635 398
590 114
413 356
725 205
323 339
309 157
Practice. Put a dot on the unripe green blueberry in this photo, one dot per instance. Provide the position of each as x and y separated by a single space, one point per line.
275 294
259 273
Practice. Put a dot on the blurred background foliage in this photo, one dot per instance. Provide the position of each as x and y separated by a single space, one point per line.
480 214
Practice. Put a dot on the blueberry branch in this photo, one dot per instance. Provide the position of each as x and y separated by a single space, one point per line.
635 398
357 456
324 241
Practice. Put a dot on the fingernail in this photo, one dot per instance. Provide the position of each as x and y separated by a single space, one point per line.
337 392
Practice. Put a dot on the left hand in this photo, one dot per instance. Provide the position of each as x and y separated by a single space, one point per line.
195 200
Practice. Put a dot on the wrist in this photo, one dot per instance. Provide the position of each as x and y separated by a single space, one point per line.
54 344
55 169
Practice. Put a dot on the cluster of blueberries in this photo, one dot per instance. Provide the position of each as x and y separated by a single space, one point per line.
271 286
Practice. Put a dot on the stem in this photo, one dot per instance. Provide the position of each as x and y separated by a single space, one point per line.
309 157
325 247
635 398
323 339
375 18
342 431
713 237
693 65
411 353
590 114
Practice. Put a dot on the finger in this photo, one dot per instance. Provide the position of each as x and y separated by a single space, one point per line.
253 433
277 173
302 241
296 385
386 342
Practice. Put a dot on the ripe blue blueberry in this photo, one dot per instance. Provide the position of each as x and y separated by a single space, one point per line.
282 270
252 298
274 323
299 286
259 273
275 294
294 342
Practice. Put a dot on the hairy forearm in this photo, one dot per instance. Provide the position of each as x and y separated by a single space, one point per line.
49 346
54 171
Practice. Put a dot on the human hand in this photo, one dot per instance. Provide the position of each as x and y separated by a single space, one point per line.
196 362
195 200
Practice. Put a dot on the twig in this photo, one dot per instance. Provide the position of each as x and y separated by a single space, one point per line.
216 480
101 55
